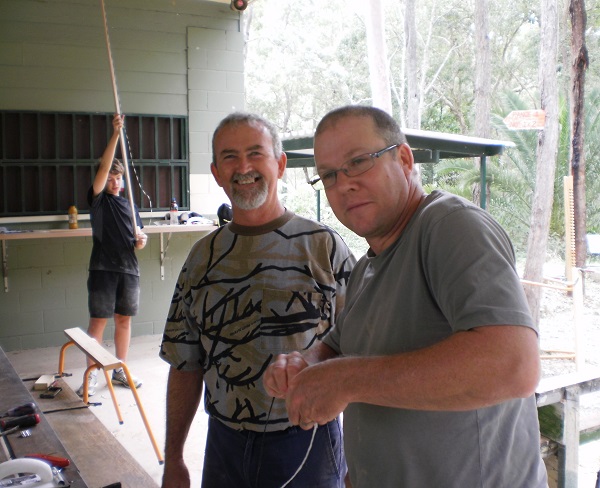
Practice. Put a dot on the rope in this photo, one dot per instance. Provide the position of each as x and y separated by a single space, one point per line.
312 440
135 171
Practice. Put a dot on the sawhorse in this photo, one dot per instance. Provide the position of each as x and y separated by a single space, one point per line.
104 360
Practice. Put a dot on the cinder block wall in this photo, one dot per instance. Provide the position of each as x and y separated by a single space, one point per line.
179 58
47 288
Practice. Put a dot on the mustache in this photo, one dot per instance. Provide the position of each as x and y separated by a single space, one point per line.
249 177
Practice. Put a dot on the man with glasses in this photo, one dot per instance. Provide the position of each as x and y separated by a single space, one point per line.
434 360
266 283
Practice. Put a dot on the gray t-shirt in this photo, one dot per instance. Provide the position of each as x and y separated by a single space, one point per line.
245 295
452 269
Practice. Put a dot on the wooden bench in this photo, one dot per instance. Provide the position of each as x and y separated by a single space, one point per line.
558 401
104 360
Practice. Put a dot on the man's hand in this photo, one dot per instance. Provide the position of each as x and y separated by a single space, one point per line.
176 475
316 394
280 372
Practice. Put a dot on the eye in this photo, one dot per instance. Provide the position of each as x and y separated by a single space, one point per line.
328 177
358 161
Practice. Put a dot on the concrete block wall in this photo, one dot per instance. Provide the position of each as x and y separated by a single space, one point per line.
47 288
216 80
173 58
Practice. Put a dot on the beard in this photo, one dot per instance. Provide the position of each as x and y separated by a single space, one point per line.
251 198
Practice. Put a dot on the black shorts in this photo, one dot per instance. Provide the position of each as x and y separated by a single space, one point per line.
110 293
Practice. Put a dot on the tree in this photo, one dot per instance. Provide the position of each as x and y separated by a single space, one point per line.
482 103
377 55
579 64
413 95
546 156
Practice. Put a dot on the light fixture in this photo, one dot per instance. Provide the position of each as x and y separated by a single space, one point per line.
239 5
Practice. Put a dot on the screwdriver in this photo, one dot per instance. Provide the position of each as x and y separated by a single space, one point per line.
56 461
23 421
25 409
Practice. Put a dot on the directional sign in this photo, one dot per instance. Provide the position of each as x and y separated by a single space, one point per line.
525 119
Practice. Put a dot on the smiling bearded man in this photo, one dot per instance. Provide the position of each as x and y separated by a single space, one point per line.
266 283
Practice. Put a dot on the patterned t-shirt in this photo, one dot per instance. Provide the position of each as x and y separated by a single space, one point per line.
245 295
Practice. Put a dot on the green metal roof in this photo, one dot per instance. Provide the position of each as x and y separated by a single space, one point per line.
427 146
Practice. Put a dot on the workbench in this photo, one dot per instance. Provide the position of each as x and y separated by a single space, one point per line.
68 429
157 228
43 438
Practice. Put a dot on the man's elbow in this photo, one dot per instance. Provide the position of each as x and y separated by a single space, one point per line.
526 375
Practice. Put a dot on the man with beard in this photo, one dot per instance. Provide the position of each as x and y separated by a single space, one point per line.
266 283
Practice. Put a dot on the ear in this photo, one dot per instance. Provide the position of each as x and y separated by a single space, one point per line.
282 163
406 157
215 172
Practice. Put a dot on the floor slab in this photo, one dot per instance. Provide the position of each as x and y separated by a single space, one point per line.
144 363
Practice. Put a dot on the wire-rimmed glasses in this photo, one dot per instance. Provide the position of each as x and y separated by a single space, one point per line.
354 167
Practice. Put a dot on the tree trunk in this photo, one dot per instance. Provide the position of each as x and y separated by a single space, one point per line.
377 53
546 156
579 57
413 113
482 102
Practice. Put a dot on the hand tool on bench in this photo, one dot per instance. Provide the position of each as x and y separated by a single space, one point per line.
19 411
22 421
56 461
40 474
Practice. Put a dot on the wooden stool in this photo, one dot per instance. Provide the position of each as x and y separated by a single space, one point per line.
105 361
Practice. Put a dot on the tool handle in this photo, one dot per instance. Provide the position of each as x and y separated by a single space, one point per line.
56 461
25 409
24 421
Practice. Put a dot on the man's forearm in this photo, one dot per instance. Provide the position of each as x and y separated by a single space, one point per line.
184 390
318 353
471 370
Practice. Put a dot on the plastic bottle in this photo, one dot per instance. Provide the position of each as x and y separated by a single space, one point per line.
73 217
173 212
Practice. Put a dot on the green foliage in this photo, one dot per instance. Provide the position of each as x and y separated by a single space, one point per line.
511 177
305 58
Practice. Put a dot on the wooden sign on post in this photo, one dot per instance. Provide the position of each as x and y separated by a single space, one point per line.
525 120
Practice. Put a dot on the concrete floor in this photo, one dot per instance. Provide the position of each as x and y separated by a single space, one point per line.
144 363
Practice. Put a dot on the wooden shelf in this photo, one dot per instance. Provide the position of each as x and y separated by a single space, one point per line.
87 231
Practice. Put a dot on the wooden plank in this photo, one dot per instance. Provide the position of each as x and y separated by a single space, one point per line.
100 457
43 438
87 231
552 390
91 348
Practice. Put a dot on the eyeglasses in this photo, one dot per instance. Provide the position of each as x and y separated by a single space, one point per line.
356 166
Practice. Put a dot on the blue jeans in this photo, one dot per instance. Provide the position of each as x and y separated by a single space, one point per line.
247 459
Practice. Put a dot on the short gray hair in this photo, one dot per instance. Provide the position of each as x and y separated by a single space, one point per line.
244 118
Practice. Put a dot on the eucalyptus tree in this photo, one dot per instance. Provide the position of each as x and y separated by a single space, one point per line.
296 69
579 63
512 176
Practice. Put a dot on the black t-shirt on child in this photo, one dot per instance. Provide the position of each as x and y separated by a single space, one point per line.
112 233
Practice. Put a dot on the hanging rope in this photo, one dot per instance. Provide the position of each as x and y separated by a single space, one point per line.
118 111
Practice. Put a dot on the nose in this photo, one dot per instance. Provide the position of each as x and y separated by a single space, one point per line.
244 165
343 182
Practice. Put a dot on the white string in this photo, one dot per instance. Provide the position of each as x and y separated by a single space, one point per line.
305 457
135 171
